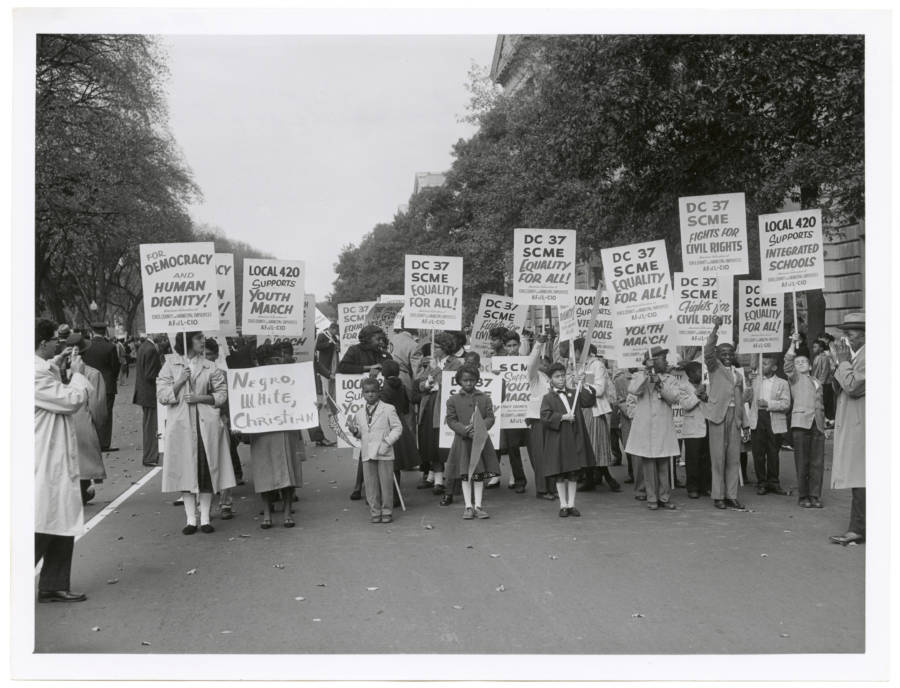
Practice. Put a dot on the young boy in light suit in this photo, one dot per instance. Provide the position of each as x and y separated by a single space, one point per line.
769 397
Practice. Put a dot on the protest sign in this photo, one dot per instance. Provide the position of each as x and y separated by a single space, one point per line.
384 315
633 342
304 346
790 251
391 298
568 323
495 311
638 281
179 284
714 234
490 384
348 400
699 298
351 319
516 390
272 398
225 293
761 317
321 321
602 336
273 297
433 292
544 266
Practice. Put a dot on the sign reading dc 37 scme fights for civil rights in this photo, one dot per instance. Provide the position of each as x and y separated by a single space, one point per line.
714 234
179 284
790 251
638 281
495 311
273 297
699 298
544 267
433 292
761 317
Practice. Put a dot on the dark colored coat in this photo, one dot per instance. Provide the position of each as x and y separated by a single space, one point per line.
358 358
460 408
104 357
148 363
326 350
406 455
394 393
566 446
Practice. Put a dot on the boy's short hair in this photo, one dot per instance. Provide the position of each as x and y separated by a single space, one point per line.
512 336
371 383
556 367
44 331
471 370
390 368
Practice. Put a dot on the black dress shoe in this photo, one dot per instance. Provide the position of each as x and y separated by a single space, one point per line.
189 530
778 490
446 499
438 490
641 498
520 487
719 504
356 495
573 511
206 528
614 486
693 495
734 504
110 449
564 513
61 596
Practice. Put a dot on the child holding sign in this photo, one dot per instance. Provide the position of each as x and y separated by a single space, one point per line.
461 409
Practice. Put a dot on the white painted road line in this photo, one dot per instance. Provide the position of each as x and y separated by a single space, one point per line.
113 505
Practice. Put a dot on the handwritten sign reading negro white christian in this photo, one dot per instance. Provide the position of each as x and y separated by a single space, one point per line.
272 398
714 234
638 281
179 283
790 251
495 311
273 297
699 298
225 292
761 317
433 292
544 266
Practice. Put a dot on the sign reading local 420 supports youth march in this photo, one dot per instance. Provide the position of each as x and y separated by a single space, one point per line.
699 298
790 251
225 292
272 398
544 266
495 311
273 297
433 292
761 318
638 281
179 283
714 233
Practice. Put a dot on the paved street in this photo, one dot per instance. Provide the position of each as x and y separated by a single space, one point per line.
619 580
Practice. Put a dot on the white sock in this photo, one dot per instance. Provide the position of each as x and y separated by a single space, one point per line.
438 478
495 480
190 508
572 486
561 491
467 493
205 504
479 491
430 477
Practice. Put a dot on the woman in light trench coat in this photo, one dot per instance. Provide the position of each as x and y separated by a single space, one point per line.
198 461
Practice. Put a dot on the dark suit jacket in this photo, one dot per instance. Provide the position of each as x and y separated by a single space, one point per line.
147 366
104 357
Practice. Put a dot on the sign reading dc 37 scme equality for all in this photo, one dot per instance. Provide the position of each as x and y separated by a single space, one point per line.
638 281
791 255
179 284
433 292
714 234
544 266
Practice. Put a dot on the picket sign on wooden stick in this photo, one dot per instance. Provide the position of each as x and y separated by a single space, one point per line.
589 335
671 472
794 301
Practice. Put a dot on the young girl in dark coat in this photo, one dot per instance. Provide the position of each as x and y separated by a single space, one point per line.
566 447
460 417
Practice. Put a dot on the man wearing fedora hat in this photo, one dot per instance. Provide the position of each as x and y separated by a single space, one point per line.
104 357
848 468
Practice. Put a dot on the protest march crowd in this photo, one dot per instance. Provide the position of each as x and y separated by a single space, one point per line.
647 371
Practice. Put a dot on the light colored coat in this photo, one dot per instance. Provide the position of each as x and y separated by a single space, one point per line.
652 433
377 440
848 468
88 420
726 387
182 429
602 386
778 404
57 492
408 355
807 394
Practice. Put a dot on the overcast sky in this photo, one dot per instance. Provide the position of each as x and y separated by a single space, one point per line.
301 144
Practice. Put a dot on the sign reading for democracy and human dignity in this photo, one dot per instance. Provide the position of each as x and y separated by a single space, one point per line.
273 297
516 390
272 398
638 281
602 335
790 251
179 283
633 342
714 233
351 319
544 266
495 311
699 298
761 318
225 292
490 384
433 292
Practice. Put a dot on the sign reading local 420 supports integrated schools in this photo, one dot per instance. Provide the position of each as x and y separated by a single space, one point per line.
225 292
544 266
495 311
633 342
272 398
179 284
433 292
490 384
761 319
516 390
638 281
602 335
700 298
790 251
714 234
273 297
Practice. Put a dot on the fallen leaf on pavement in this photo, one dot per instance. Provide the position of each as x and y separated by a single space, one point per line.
501 588
225 632
554 556
121 537
456 606
145 643
763 554
277 566
112 581
317 619
428 526
321 585
191 572
785 635
95 628
246 535
299 599
495 556
637 615
372 589
469 547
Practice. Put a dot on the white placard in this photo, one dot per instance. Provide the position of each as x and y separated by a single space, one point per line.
305 345
273 297
714 234
699 298
791 256
544 266
602 336
322 323
272 398
516 390
568 323
179 284
638 281
351 319
225 294
495 311
490 384
348 399
761 317
433 292
633 342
